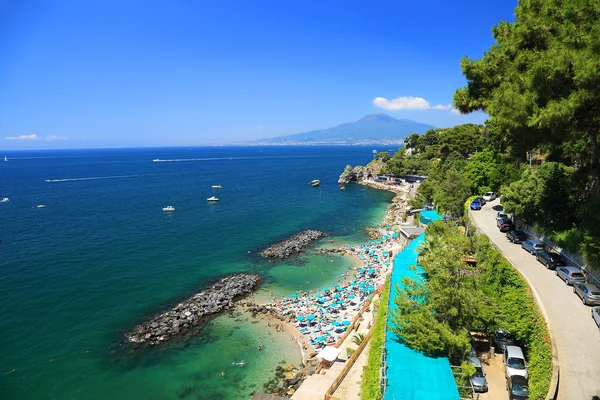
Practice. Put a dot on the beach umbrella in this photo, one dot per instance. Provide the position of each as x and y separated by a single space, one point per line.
337 295
352 296
294 295
335 285
336 323
361 270
300 318
310 317
320 338
326 289
318 296
371 270
346 323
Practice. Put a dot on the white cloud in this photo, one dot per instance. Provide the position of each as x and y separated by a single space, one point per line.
410 103
455 111
401 103
23 137
50 138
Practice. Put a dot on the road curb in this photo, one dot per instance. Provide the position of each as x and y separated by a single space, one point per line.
553 389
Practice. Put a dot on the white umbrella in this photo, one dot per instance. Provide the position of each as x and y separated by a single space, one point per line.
329 353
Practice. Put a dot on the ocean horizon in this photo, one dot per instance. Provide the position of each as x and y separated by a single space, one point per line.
102 256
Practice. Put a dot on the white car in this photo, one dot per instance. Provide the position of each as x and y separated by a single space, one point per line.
596 315
501 215
489 196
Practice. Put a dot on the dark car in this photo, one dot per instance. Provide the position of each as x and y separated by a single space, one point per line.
476 204
516 236
505 225
518 387
482 201
550 259
503 339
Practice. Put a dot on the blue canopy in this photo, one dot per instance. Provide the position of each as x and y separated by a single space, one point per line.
326 289
294 295
322 301
371 270
335 285
300 318
318 296
310 317
346 323
336 323
337 295
321 338
361 270
352 296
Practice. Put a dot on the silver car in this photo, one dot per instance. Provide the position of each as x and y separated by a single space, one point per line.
589 294
478 380
570 275
596 315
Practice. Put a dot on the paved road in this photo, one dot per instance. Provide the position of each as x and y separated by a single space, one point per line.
576 334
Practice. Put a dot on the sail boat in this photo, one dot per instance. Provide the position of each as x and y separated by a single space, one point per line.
5 159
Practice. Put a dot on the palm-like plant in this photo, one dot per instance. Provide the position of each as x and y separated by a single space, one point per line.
358 339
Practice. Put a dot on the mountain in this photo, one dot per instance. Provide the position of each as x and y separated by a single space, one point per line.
372 128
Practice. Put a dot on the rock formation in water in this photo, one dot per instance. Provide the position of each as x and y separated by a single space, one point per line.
293 245
360 173
195 310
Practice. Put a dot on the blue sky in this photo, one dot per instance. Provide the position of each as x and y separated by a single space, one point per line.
77 73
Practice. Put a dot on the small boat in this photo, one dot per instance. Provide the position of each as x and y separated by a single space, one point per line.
213 198
5 159
156 160
217 187
4 200
40 206
343 188
315 182
169 208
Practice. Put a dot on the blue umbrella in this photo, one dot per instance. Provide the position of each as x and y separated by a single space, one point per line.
361 270
294 295
318 296
326 289
321 338
346 323
310 317
336 323
352 296
337 295
323 301
371 270
335 285
300 318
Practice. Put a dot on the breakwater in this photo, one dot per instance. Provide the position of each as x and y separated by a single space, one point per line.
184 316
292 245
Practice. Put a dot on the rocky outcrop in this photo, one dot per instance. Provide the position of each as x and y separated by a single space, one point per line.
293 245
360 173
195 310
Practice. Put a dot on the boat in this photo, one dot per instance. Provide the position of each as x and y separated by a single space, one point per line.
156 160
169 208
217 187
5 159
343 188
40 206
315 182
4 200
213 198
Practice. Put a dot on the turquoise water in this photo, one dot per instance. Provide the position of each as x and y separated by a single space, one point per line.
412 375
102 256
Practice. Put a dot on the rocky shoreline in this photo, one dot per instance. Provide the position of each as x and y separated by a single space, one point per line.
292 245
195 310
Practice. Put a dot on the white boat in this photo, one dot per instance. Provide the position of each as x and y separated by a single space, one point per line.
213 198
156 160
4 200
40 206
315 182
169 208
5 159
217 187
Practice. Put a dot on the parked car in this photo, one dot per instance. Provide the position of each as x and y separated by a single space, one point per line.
478 380
476 205
505 225
489 196
518 388
500 215
550 259
514 362
503 339
516 236
589 294
596 315
570 275
482 201
533 246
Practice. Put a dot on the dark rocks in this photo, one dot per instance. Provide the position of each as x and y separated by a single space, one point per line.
293 245
360 173
194 311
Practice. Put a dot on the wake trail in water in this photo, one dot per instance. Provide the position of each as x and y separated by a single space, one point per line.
90 178
157 160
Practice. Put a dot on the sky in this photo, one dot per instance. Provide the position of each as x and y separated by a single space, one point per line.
85 74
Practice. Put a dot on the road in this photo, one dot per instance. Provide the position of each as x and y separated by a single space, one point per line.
576 335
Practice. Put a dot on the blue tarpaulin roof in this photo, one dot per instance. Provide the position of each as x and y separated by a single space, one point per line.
412 375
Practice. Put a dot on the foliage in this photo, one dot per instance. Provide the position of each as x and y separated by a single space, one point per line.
350 351
358 339
540 86
435 316
383 156
370 386
465 372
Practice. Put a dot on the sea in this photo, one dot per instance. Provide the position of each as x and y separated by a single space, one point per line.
101 256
